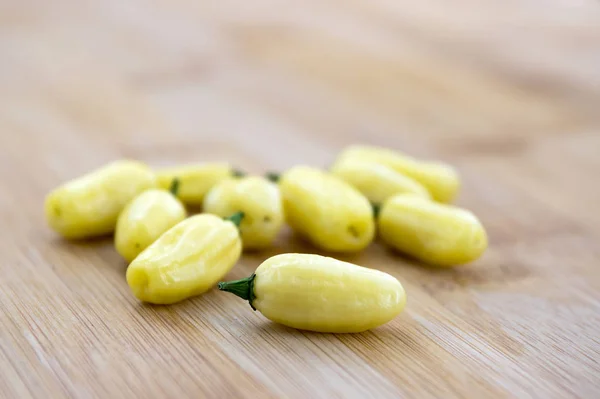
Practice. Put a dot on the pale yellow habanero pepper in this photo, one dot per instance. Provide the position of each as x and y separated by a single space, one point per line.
145 219
317 293
376 181
437 234
440 179
332 214
195 179
259 200
187 260
90 205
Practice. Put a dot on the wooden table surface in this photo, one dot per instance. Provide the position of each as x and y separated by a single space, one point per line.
508 91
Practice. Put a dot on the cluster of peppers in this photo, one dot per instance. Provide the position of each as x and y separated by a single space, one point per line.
174 256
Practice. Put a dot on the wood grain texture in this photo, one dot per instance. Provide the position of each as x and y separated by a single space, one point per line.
507 91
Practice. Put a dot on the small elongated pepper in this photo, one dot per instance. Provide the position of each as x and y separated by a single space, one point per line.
187 260
441 180
259 200
195 179
438 234
376 181
145 219
317 293
332 214
90 205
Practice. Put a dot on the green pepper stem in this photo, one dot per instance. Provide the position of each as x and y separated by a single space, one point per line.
238 173
273 176
244 288
174 189
236 218
376 210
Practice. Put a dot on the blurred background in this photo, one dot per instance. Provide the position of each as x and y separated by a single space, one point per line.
168 77
508 91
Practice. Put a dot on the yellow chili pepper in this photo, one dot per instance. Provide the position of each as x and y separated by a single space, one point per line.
259 200
145 219
316 293
438 234
332 214
90 205
187 260
196 180
440 179
376 181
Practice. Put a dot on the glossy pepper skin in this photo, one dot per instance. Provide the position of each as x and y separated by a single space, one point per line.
332 214
260 201
195 179
317 293
437 234
187 260
441 180
145 219
90 205
376 181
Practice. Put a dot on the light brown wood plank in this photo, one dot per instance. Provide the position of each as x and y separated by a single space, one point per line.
506 91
